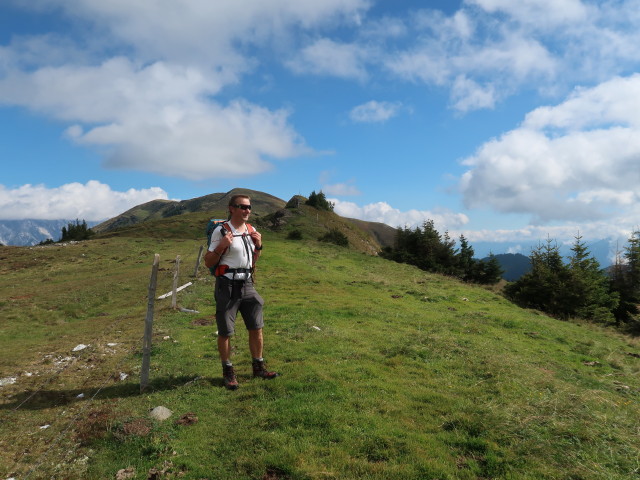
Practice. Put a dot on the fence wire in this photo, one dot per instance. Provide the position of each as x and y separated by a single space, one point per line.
188 263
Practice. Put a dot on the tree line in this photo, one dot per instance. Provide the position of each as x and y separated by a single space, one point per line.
580 287
73 232
429 250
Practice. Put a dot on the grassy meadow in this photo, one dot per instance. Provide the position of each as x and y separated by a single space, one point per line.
388 372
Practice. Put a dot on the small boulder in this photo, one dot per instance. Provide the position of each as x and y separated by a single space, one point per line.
160 413
125 473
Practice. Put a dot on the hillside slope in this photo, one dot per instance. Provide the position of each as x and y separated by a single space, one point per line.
388 372
262 203
310 222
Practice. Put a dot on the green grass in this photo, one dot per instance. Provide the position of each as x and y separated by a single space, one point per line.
387 373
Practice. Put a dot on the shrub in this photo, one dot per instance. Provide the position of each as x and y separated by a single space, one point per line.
319 201
294 235
335 236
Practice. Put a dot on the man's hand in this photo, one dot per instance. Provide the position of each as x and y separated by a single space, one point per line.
257 238
225 242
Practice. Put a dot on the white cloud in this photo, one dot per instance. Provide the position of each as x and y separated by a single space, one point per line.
375 112
501 47
157 118
202 31
154 109
478 69
384 213
468 95
522 240
92 201
577 161
538 12
326 57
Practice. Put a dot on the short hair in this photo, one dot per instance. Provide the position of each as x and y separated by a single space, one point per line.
234 199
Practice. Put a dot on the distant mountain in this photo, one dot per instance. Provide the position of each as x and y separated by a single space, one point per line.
602 250
31 232
262 204
514 265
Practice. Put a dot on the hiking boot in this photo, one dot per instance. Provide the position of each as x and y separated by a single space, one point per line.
260 370
229 376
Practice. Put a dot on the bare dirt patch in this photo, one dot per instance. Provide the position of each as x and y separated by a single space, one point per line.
201 322
187 419
94 425
140 427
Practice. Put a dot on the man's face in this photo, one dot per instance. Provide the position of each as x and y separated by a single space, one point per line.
239 213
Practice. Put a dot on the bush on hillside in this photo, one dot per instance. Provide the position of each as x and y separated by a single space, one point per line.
294 235
336 237
319 201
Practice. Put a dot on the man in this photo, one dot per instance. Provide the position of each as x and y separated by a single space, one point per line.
235 250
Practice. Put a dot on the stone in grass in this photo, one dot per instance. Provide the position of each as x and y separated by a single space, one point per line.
161 413
125 473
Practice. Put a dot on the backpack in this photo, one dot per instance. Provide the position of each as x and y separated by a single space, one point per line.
211 227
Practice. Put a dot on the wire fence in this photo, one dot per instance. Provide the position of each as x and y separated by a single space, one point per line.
191 265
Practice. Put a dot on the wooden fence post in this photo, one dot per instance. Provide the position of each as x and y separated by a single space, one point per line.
148 326
195 272
174 294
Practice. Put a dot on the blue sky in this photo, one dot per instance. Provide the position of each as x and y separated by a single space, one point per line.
501 120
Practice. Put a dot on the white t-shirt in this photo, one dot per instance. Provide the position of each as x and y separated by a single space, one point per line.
238 255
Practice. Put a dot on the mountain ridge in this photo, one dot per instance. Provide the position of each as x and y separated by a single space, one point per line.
263 204
28 232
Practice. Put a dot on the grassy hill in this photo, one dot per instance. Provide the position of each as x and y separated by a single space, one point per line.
262 203
388 372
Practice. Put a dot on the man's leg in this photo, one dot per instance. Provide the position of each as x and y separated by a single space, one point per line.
224 348
256 343
225 320
255 346
251 310
228 373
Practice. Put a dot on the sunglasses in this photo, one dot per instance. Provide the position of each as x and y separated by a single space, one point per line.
243 207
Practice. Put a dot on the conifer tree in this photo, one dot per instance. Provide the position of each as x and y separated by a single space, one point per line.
489 271
543 287
427 249
587 293
78 231
625 280
466 262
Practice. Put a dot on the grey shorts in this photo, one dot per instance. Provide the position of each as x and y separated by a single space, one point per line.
233 296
